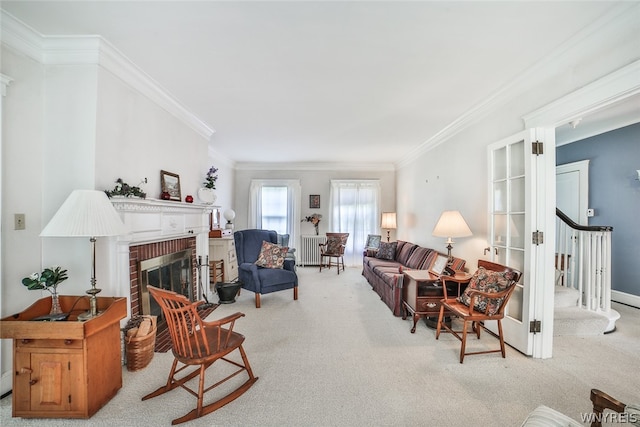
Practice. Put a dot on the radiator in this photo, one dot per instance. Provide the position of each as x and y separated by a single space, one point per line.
310 249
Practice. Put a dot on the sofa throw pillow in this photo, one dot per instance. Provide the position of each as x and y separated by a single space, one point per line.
487 281
271 255
387 251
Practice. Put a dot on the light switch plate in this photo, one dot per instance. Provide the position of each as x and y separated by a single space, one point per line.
19 221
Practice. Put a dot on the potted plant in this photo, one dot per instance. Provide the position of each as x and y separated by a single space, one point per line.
49 280
206 193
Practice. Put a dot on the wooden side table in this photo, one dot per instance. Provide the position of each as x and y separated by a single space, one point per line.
422 293
65 369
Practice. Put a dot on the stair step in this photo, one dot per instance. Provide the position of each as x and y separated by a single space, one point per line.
566 297
576 321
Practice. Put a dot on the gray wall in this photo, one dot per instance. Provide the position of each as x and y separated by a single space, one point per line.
614 193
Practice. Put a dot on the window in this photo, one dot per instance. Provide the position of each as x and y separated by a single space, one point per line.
274 204
355 209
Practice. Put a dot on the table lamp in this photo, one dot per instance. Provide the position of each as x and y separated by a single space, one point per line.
451 224
229 215
86 213
388 222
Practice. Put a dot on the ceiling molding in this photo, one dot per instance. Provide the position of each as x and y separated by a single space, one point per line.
603 92
95 50
306 166
608 25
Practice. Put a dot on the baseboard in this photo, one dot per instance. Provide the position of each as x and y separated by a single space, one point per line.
625 298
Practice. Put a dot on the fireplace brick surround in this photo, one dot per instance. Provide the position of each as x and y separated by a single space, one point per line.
147 251
157 228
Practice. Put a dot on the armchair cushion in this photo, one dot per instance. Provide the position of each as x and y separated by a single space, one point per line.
487 281
387 250
334 245
271 255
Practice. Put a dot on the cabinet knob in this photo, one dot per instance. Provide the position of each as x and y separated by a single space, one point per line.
68 342
431 304
33 382
24 371
25 340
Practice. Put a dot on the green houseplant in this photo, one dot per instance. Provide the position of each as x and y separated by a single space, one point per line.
49 279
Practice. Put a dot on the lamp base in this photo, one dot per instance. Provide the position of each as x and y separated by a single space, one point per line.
83 317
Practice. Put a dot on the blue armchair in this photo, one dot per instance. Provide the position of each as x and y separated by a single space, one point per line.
258 279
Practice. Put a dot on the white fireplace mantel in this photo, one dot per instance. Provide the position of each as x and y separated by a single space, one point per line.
149 221
152 220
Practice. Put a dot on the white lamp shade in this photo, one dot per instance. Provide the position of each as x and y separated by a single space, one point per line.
451 224
85 213
388 220
229 215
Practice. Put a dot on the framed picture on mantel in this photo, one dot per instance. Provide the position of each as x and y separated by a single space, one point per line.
170 183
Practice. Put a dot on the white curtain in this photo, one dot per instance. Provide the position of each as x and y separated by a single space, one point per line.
293 205
354 209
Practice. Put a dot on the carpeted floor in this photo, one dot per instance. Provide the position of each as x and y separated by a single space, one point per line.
338 357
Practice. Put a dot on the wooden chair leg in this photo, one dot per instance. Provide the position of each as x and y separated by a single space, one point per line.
257 300
501 338
464 341
295 292
439 325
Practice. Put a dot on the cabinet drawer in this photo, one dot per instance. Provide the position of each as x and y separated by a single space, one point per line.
428 305
232 255
48 343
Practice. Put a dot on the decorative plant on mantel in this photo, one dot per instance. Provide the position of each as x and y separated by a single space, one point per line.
49 280
211 178
126 190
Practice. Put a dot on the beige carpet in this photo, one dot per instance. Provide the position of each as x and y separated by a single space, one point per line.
338 357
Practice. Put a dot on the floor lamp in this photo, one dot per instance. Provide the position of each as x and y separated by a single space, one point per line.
451 224
86 213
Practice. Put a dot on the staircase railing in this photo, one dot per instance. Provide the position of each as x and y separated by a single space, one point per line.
583 261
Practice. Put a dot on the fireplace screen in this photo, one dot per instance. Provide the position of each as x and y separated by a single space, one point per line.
171 272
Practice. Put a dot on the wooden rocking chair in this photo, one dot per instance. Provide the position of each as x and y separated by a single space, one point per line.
199 343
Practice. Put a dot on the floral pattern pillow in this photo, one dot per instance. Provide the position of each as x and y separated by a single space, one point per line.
334 244
387 251
271 255
487 281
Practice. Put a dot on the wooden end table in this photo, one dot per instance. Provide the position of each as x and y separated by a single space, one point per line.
422 293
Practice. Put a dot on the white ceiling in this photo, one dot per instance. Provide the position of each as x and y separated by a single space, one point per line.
302 81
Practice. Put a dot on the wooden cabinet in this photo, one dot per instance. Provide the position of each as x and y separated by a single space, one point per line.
65 369
422 293
224 248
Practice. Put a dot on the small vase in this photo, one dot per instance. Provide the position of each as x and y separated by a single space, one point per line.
55 303
207 195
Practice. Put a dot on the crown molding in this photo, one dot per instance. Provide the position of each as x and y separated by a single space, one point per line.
603 92
95 50
313 166
607 26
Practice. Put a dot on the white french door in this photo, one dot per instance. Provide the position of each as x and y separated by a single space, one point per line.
519 207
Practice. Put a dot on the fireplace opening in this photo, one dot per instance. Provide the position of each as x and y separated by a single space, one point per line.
171 272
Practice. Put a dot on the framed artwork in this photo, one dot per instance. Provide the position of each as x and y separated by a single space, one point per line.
439 264
314 201
170 183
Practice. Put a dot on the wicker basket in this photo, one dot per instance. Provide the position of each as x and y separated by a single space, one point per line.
139 350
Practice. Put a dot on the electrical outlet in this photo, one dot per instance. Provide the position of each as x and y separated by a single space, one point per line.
19 222
591 212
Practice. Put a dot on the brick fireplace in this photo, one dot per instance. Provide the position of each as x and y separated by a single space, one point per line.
157 228
149 251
